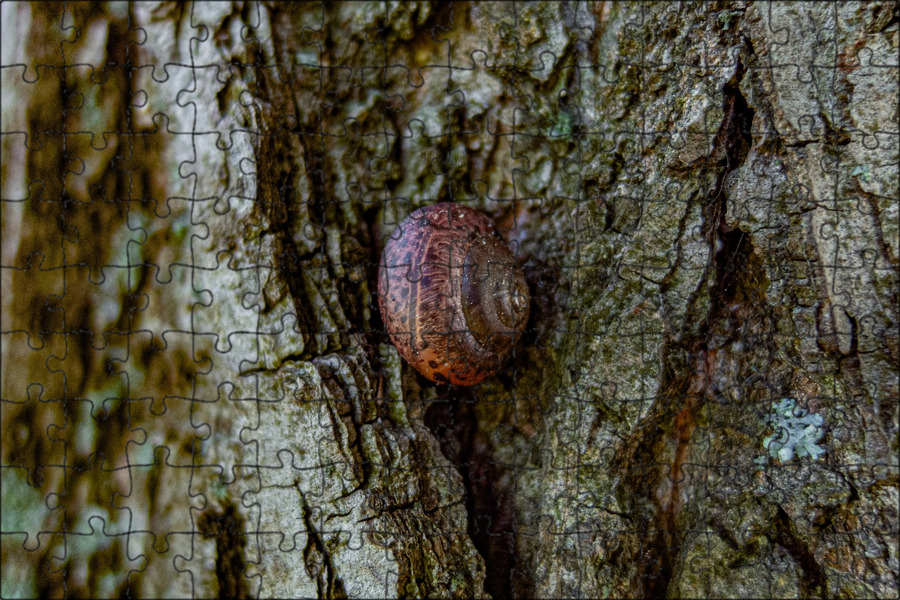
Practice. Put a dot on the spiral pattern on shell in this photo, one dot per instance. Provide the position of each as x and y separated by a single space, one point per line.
452 297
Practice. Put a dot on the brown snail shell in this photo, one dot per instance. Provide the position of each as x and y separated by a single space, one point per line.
452 297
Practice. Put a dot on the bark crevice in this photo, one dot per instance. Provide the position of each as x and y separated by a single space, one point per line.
689 358
490 506
227 526
319 565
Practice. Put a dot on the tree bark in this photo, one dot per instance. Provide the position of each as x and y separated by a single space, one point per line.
199 398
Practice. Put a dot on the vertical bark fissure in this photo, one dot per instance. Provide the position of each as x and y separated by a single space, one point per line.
346 409
317 556
275 199
491 514
227 525
813 582
730 252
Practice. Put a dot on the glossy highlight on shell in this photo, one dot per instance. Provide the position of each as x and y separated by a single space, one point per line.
452 297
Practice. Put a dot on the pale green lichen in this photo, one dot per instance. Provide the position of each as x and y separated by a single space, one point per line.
797 432
862 172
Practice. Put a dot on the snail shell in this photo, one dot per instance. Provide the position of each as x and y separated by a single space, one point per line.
452 297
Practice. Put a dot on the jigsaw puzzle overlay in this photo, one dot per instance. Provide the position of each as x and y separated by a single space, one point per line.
199 397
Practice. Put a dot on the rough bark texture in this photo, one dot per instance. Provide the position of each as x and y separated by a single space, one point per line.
198 397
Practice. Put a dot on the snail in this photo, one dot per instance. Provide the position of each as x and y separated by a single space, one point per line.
452 297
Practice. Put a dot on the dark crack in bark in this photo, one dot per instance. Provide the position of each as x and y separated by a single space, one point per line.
489 502
657 495
352 405
227 526
317 558
275 198
812 579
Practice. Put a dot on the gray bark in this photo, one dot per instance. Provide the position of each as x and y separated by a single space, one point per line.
198 395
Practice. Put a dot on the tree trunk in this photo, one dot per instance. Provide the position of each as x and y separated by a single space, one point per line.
199 397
